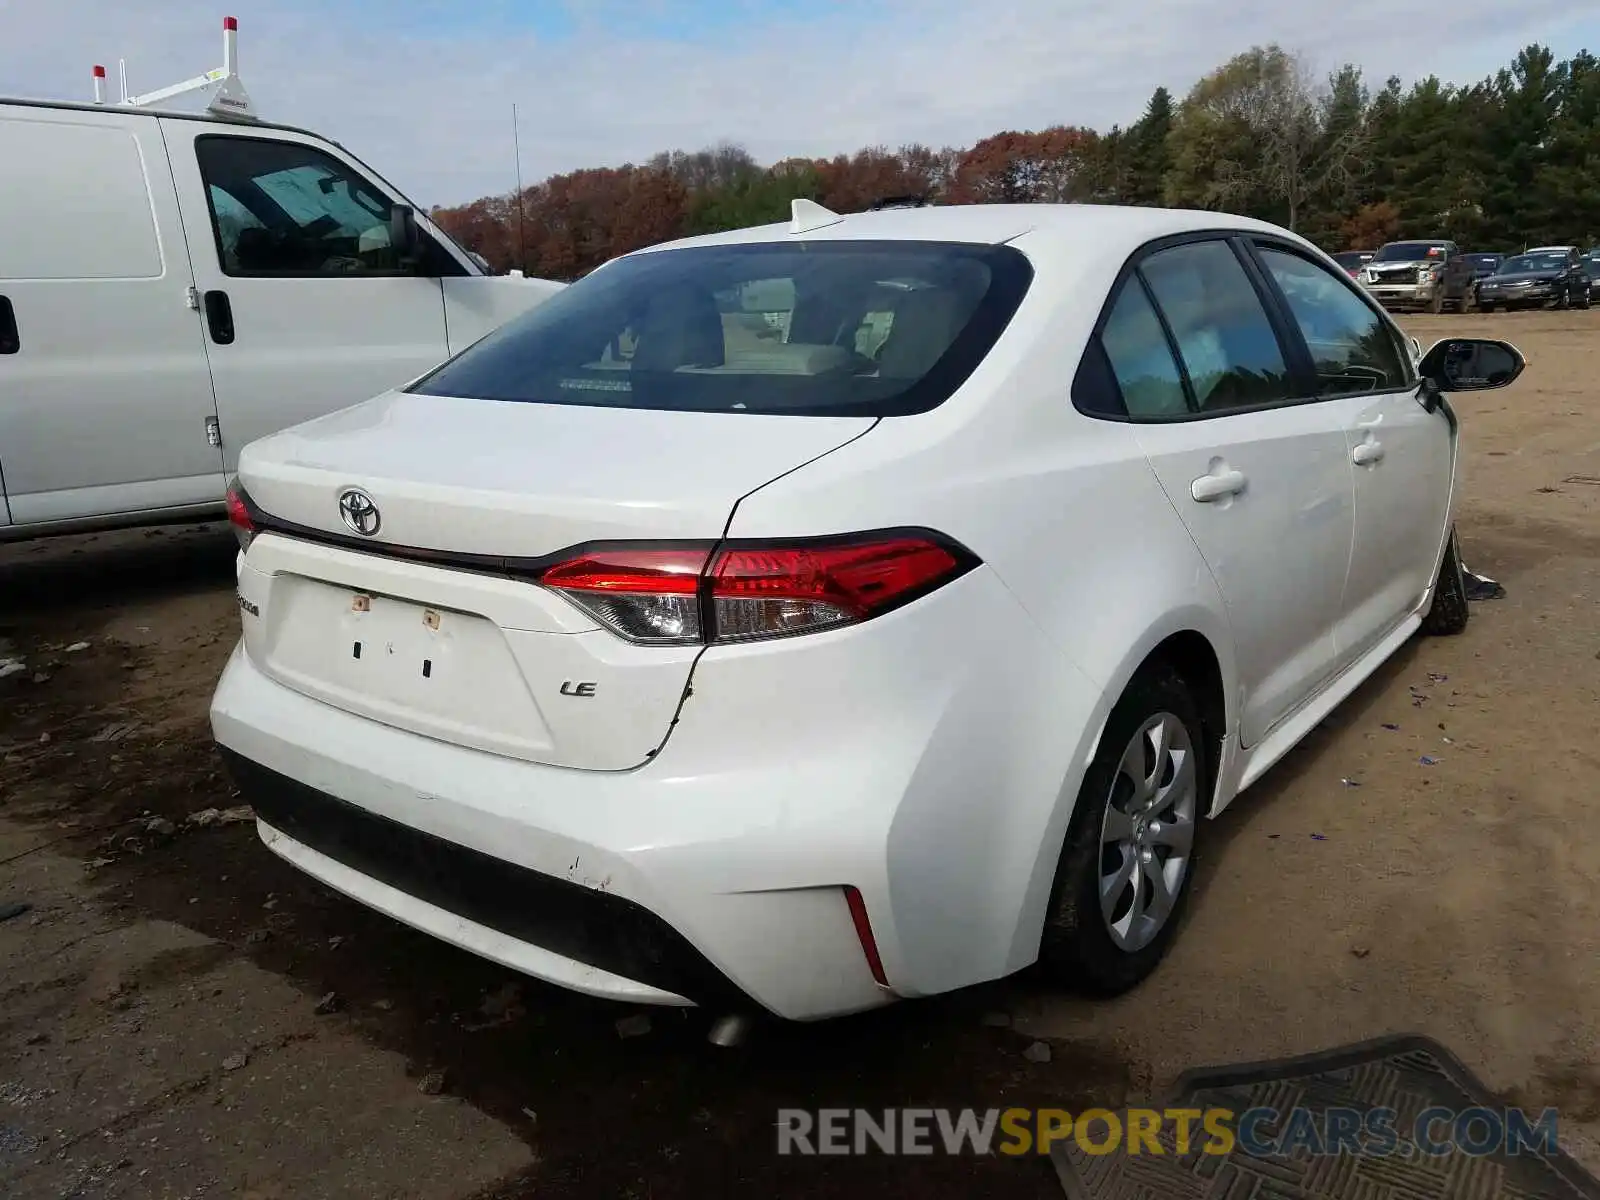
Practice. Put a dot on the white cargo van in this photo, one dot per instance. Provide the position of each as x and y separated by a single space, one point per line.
173 286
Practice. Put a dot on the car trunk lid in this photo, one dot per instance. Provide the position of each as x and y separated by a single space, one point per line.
432 621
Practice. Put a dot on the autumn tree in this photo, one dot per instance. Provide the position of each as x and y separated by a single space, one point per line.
578 221
486 227
1369 227
1050 166
727 164
1258 133
759 199
853 182
1504 162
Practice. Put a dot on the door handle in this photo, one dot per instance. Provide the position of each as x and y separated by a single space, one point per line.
219 318
10 335
1367 453
1217 486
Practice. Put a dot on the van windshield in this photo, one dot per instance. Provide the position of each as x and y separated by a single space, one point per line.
839 328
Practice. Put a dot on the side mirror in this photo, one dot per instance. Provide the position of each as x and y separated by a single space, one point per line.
404 238
480 262
1470 365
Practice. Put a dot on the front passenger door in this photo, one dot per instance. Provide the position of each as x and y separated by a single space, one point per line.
1402 456
1260 479
306 305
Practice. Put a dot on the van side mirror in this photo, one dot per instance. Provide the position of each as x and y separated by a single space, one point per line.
404 238
1470 365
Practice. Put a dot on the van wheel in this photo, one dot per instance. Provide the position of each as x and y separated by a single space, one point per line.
1129 854
1448 613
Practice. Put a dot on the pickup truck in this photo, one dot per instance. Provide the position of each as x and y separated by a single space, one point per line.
1429 275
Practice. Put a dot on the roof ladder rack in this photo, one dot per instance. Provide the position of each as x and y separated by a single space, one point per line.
229 100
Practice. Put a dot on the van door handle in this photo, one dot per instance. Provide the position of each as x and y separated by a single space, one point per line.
10 335
1217 486
1367 453
219 317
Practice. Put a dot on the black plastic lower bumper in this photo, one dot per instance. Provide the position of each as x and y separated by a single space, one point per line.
592 927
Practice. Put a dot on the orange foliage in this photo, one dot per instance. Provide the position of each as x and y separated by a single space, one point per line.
1370 226
1052 165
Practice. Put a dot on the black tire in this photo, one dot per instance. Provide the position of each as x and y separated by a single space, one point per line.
1436 302
1486 308
1449 612
1586 301
1077 949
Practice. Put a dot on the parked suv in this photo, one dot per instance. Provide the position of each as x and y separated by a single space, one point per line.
669 662
1428 275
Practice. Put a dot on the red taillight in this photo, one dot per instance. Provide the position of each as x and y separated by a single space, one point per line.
239 516
761 593
647 594
869 943
668 595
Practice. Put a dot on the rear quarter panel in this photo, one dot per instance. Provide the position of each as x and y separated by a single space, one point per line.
1067 513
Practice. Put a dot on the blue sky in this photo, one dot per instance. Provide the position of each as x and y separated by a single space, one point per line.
423 88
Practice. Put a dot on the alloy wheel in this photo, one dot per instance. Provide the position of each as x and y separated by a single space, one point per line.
1148 832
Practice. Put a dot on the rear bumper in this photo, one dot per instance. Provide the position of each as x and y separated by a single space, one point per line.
587 940
922 759
567 876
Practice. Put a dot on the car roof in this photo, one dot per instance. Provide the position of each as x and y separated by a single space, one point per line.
166 114
992 224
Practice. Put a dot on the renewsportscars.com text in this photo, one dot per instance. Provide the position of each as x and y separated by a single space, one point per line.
1259 1132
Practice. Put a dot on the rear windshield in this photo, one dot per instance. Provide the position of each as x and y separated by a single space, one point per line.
1409 252
831 328
1484 260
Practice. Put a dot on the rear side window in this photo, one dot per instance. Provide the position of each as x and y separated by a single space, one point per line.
1141 358
1228 346
848 328
1352 348
75 203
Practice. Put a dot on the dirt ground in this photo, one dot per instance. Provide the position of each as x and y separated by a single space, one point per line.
183 1015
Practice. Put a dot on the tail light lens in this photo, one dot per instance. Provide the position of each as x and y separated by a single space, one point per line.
646 594
244 528
681 595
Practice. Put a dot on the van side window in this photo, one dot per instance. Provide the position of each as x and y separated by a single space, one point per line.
287 209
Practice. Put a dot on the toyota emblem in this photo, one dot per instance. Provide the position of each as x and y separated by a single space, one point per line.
359 512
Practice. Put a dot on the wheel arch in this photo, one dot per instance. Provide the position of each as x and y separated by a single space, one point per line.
1196 642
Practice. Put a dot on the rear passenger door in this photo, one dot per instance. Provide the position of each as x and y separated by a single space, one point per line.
308 308
104 392
1260 478
1401 455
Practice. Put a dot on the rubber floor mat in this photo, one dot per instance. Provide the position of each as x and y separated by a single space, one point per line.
1313 1128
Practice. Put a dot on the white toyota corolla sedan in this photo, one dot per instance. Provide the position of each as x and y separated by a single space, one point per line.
857 608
